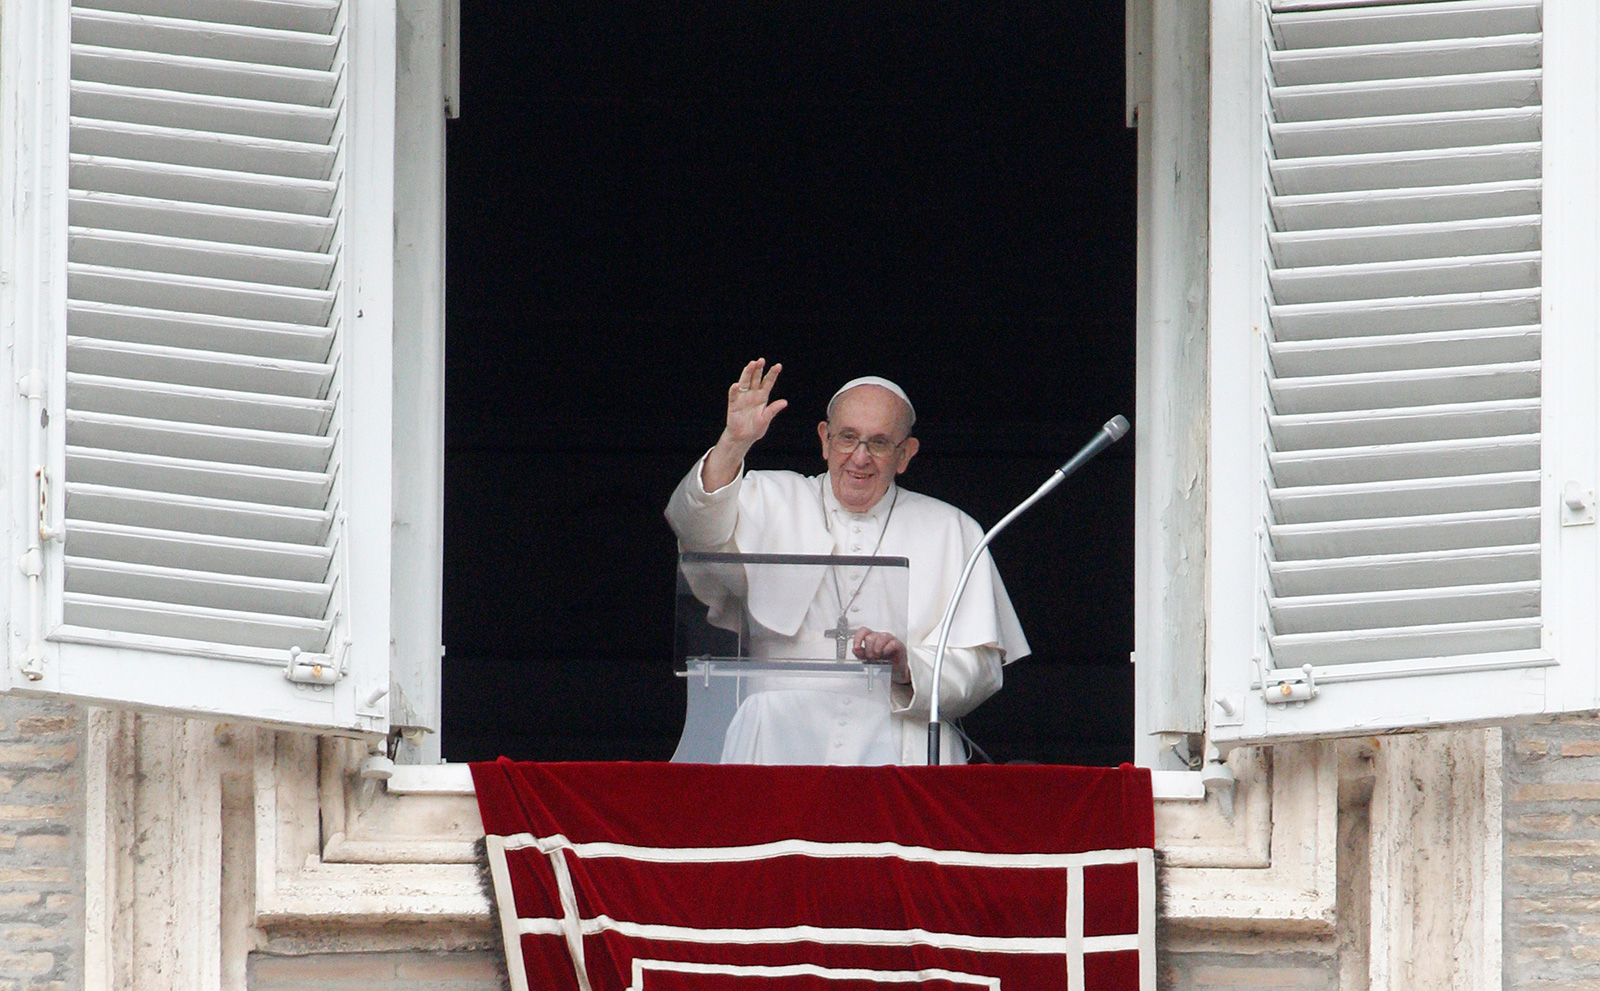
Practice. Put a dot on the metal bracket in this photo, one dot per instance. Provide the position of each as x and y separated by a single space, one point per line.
1577 505
1279 687
310 669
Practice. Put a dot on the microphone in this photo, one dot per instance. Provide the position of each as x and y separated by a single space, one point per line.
1109 434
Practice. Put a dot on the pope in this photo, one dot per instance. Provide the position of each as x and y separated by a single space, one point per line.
857 508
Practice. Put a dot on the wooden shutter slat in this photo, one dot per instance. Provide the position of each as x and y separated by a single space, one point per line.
198 441
211 590
158 253
199 404
1405 607
288 15
1406 387
1405 534
1388 462
1400 169
205 369
228 153
175 623
1410 314
1322 27
1402 241
177 36
1405 425
1411 277
1417 497
222 114
197 294
1434 349
194 184
1382 572
200 332
1340 647
211 76
1428 94
167 511
1405 59
1392 133
241 483
199 222
89 539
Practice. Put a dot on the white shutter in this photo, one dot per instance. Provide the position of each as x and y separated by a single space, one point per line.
216 382
1386 532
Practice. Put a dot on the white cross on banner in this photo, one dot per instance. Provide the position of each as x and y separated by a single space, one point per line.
670 877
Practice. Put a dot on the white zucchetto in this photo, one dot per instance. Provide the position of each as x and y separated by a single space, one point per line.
881 383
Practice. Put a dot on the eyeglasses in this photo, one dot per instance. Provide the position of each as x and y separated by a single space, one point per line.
846 442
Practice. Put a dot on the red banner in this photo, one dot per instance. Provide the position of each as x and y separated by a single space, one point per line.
666 877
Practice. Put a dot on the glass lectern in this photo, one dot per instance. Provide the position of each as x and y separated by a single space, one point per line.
750 623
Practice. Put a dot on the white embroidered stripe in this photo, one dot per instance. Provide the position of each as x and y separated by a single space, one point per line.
813 848
571 920
1147 929
820 934
505 897
812 970
1075 940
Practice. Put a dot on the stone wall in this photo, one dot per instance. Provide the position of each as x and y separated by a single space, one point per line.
41 845
479 970
1552 856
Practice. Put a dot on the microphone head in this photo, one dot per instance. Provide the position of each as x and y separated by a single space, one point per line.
1116 427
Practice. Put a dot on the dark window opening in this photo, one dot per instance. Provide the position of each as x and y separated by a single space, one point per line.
641 199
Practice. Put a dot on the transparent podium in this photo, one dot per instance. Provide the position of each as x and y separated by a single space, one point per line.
748 623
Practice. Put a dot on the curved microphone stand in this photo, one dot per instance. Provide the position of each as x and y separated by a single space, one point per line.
1108 435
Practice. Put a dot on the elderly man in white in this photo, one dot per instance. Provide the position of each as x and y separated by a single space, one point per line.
855 509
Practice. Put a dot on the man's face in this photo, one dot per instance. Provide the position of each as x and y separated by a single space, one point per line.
870 413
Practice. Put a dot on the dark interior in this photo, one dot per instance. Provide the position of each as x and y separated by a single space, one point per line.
643 197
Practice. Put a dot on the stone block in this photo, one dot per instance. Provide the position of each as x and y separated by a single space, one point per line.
40 725
51 755
17 901
1533 748
26 962
1534 873
20 934
45 843
1557 791
1543 823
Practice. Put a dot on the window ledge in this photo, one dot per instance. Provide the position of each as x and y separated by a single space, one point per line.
431 779
456 779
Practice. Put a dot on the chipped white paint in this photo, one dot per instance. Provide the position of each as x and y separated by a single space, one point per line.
1171 374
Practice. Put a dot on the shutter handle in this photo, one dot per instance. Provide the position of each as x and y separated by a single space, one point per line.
1577 505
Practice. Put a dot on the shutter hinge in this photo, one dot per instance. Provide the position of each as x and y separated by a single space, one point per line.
310 669
1281 686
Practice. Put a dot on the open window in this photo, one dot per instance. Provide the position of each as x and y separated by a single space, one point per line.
1403 365
199 315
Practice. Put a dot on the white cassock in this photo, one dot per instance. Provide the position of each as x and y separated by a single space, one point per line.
841 722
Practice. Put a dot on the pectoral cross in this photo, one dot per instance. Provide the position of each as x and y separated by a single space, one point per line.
841 635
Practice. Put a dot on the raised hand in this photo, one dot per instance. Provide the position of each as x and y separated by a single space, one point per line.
750 412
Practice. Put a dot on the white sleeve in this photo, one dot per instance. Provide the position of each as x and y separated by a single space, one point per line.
704 521
970 675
